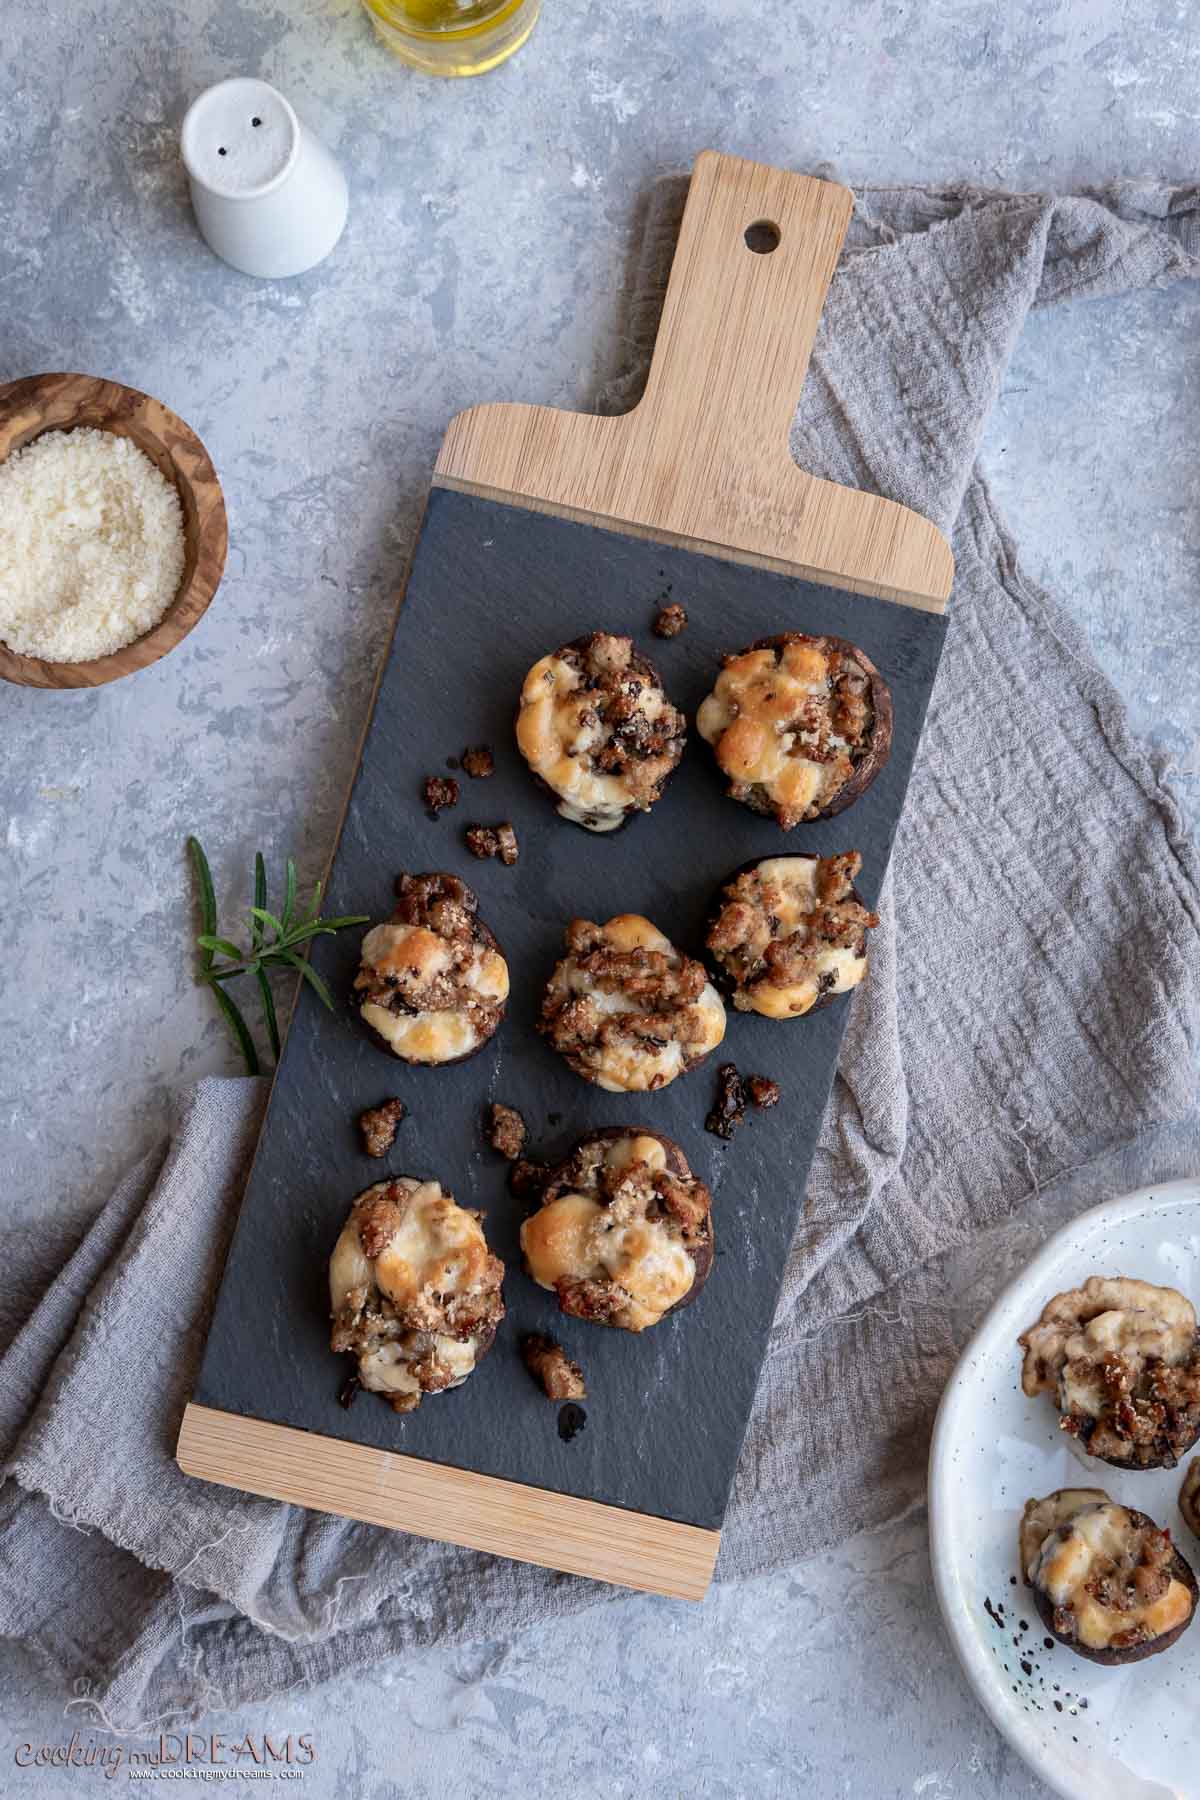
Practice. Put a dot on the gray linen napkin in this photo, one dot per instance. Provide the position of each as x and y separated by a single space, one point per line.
1036 1005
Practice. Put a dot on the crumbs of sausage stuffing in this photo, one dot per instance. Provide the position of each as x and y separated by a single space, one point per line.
478 761
440 792
734 1093
493 840
526 1177
670 621
504 1129
379 1125
762 1090
557 1375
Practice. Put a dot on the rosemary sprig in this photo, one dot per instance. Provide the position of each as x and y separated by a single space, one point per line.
275 941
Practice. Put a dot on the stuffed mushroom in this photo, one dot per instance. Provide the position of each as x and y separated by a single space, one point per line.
626 1009
1189 1497
415 1291
1106 1580
1121 1359
788 934
598 731
432 984
623 1234
801 726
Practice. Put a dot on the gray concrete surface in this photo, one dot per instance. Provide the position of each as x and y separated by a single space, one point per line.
492 229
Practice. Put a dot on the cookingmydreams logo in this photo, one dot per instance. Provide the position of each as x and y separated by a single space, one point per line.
254 1757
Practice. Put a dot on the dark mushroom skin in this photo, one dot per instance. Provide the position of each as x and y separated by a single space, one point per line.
1189 1497
596 819
1179 1569
701 1253
484 936
868 765
723 979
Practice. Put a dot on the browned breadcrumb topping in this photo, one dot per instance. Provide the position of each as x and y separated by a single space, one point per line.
744 938
729 1107
379 1125
440 792
558 1376
368 1320
670 621
504 1129
663 988
446 906
493 840
527 1177
478 762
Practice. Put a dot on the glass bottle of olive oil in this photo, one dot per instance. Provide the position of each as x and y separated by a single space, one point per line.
454 37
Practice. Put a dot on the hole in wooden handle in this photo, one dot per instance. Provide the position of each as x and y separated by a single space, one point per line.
762 237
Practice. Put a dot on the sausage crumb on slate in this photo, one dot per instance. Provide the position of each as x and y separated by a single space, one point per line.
558 1376
670 621
379 1125
504 1129
494 840
478 761
527 1177
730 1108
440 792
762 1090
734 1092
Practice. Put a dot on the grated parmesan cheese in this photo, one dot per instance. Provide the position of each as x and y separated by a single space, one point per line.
91 545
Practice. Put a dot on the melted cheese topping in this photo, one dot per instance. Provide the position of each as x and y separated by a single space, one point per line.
630 1064
577 1238
746 716
1100 1534
793 880
1108 1315
557 740
388 1370
437 1246
421 955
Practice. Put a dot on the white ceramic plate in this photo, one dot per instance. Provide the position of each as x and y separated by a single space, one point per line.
1091 1733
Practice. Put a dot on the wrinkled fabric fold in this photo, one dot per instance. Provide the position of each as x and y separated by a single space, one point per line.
1031 1005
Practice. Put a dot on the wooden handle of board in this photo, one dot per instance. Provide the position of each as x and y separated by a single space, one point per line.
756 253
703 459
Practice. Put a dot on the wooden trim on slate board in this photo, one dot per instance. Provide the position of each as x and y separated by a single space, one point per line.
453 1506
702 461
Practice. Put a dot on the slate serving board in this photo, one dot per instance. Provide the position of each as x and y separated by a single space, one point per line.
492 589
543 526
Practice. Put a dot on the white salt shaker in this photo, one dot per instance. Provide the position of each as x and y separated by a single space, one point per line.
268 196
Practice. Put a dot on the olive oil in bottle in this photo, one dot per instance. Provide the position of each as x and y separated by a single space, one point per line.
453 37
